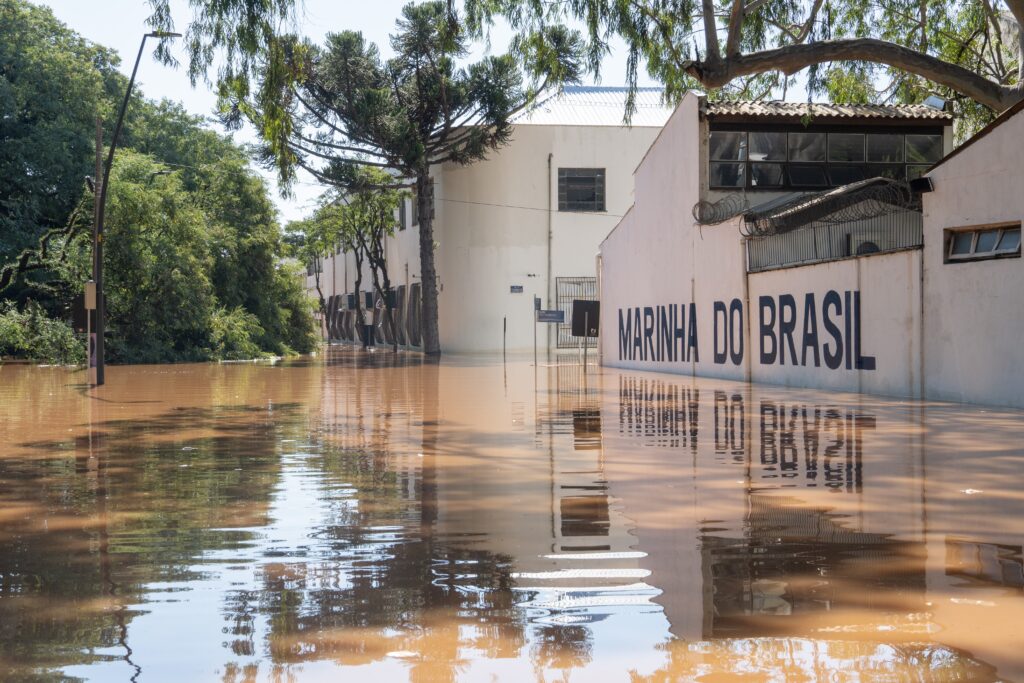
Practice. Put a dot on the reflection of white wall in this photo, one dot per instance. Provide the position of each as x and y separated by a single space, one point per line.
492 219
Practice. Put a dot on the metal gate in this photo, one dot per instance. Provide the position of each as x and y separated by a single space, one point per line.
567 289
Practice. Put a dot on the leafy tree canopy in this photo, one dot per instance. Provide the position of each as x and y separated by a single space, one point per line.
194 251
852 50
338 108
53 84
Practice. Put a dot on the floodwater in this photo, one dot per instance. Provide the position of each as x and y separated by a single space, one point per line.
369 517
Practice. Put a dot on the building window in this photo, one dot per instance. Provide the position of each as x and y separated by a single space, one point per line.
581 189
766 159
982 243
403 217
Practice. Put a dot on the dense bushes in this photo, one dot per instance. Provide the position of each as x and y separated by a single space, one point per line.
30 334
194 258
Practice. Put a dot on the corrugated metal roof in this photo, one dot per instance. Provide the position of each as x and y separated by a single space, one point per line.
596 106
823 110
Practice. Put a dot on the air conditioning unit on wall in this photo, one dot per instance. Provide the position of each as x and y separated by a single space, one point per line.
861 244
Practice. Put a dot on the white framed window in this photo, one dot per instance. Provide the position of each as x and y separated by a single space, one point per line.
983 242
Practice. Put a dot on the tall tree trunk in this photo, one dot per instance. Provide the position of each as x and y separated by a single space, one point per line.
323 302
428 269
360 317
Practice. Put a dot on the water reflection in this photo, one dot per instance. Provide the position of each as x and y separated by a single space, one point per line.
468 520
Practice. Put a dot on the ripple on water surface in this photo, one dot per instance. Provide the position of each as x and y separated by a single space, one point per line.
470 520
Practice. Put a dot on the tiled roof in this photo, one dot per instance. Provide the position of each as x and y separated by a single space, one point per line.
821 110
596 106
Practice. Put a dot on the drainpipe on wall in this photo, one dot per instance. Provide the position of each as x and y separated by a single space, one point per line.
600 344
748 374
549 304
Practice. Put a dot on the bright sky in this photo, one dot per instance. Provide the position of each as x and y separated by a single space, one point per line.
120 24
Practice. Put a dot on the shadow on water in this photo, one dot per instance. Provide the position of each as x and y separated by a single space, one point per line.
462 520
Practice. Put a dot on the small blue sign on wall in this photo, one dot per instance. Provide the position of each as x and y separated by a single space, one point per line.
550 316
516 289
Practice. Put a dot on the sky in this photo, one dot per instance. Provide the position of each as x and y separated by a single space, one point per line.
120 24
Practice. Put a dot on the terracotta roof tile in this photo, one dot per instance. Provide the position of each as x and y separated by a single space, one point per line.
823 110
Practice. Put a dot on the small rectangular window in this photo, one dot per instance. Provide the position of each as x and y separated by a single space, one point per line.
727 146
807 147
982 243
403 218
890 171
727 174
767 146
807 176
885 148
844 175
924 149
846 147
581 189
766 175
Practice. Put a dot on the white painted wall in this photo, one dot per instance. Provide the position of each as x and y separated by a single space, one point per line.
491 229
959 340
974 318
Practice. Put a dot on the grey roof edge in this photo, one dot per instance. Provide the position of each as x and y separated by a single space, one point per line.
828 110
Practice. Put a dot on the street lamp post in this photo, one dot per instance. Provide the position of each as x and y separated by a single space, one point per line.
101 198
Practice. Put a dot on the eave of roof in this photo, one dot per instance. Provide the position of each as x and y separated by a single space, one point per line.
820 111
596 106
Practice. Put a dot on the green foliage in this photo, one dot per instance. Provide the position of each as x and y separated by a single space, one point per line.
234 333
192 239
31 334
53 84
968 51
336 109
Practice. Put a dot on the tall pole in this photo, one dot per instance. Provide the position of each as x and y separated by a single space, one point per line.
97 244
94 362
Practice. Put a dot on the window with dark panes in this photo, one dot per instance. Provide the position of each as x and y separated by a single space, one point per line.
581 189
807 146
766 175
846 147
769 159
924 149
844 175
403 217
801 175
766 146
885 148
727 151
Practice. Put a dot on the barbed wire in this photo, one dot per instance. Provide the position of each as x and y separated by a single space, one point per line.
856 202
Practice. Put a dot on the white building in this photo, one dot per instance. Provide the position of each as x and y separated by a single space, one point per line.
524 223
738 261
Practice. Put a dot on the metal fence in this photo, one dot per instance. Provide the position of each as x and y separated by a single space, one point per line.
567 289
824 241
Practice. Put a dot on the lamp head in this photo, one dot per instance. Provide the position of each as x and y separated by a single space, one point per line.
163 34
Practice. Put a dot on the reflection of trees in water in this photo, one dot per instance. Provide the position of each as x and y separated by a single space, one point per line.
560 647
135 506
384 582
806 659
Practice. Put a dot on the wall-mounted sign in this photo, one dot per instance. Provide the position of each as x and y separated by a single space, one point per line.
586 318
550 316
516 289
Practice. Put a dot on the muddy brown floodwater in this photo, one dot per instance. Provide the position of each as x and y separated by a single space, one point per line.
369 517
